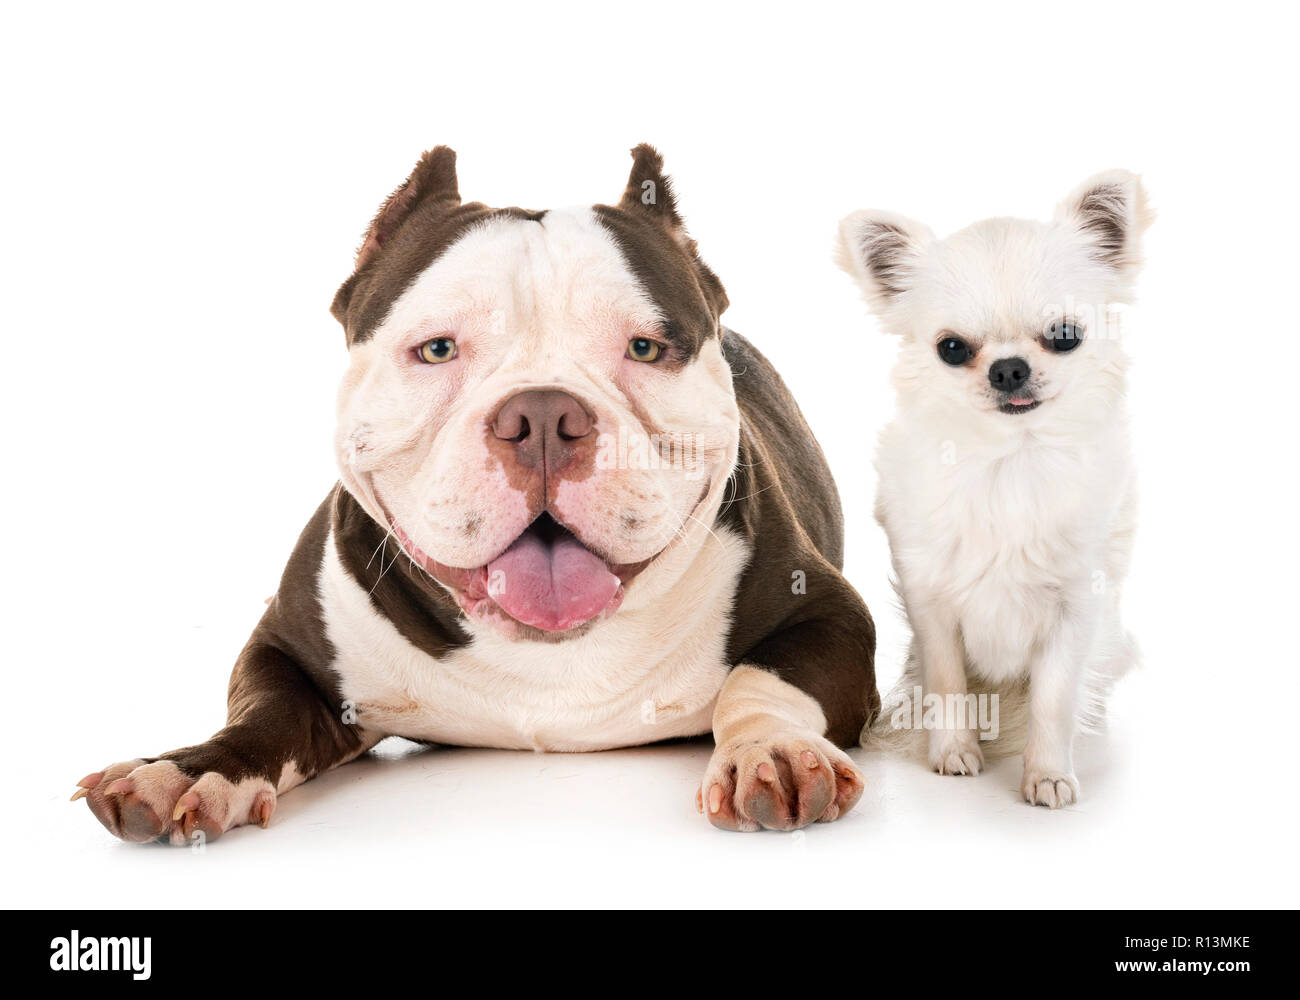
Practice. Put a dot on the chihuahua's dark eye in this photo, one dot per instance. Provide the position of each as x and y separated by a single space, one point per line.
954 351
1062 337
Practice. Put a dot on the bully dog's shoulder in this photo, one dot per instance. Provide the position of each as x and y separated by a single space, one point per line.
784 502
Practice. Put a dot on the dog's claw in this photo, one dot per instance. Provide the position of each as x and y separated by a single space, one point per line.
187 802
263 806
87 784
771 783
122 786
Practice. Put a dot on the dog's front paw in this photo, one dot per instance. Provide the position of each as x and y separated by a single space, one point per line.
1046 787
955 751
782 782
141 801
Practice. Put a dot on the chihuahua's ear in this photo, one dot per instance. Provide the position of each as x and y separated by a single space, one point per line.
881 250
1111 212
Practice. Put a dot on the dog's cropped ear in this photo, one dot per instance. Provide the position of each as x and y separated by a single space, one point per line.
433 181
649 189
649 194
1111 213
881 250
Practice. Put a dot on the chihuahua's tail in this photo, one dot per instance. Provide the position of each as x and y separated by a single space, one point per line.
999 712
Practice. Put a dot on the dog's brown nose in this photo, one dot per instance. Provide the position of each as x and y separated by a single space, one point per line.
545 425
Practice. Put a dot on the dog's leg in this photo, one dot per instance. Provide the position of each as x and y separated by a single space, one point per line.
1055 683
280 732
954 745
779 717
773 767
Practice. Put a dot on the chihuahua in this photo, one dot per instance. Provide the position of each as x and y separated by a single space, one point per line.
1006 482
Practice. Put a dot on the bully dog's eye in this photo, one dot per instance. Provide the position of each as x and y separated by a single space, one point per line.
643 349
438 351
1061 336
954 351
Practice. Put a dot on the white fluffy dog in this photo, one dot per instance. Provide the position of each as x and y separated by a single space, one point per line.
1006 481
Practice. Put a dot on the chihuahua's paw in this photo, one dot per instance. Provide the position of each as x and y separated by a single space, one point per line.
955 751
1047 787
141 801
782 782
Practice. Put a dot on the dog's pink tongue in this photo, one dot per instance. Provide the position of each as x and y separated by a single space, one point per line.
551 586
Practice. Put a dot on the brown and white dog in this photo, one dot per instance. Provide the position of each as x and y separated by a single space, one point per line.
575 513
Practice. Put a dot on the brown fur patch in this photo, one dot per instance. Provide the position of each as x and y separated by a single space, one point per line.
424 235
284 702
821 641
665 260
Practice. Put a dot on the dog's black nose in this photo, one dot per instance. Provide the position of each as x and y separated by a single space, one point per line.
546 426
1009 374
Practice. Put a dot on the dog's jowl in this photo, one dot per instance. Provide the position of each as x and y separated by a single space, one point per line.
571 509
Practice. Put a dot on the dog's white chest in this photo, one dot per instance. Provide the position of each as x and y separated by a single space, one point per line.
999 543
646 674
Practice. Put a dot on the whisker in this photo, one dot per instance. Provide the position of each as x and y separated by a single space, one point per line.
382 542
701 524
752 495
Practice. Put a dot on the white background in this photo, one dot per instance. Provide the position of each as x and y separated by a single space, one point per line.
181 196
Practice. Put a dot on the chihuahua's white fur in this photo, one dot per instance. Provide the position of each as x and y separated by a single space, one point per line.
1010 532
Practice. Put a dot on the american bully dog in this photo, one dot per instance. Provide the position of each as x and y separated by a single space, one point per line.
575 512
